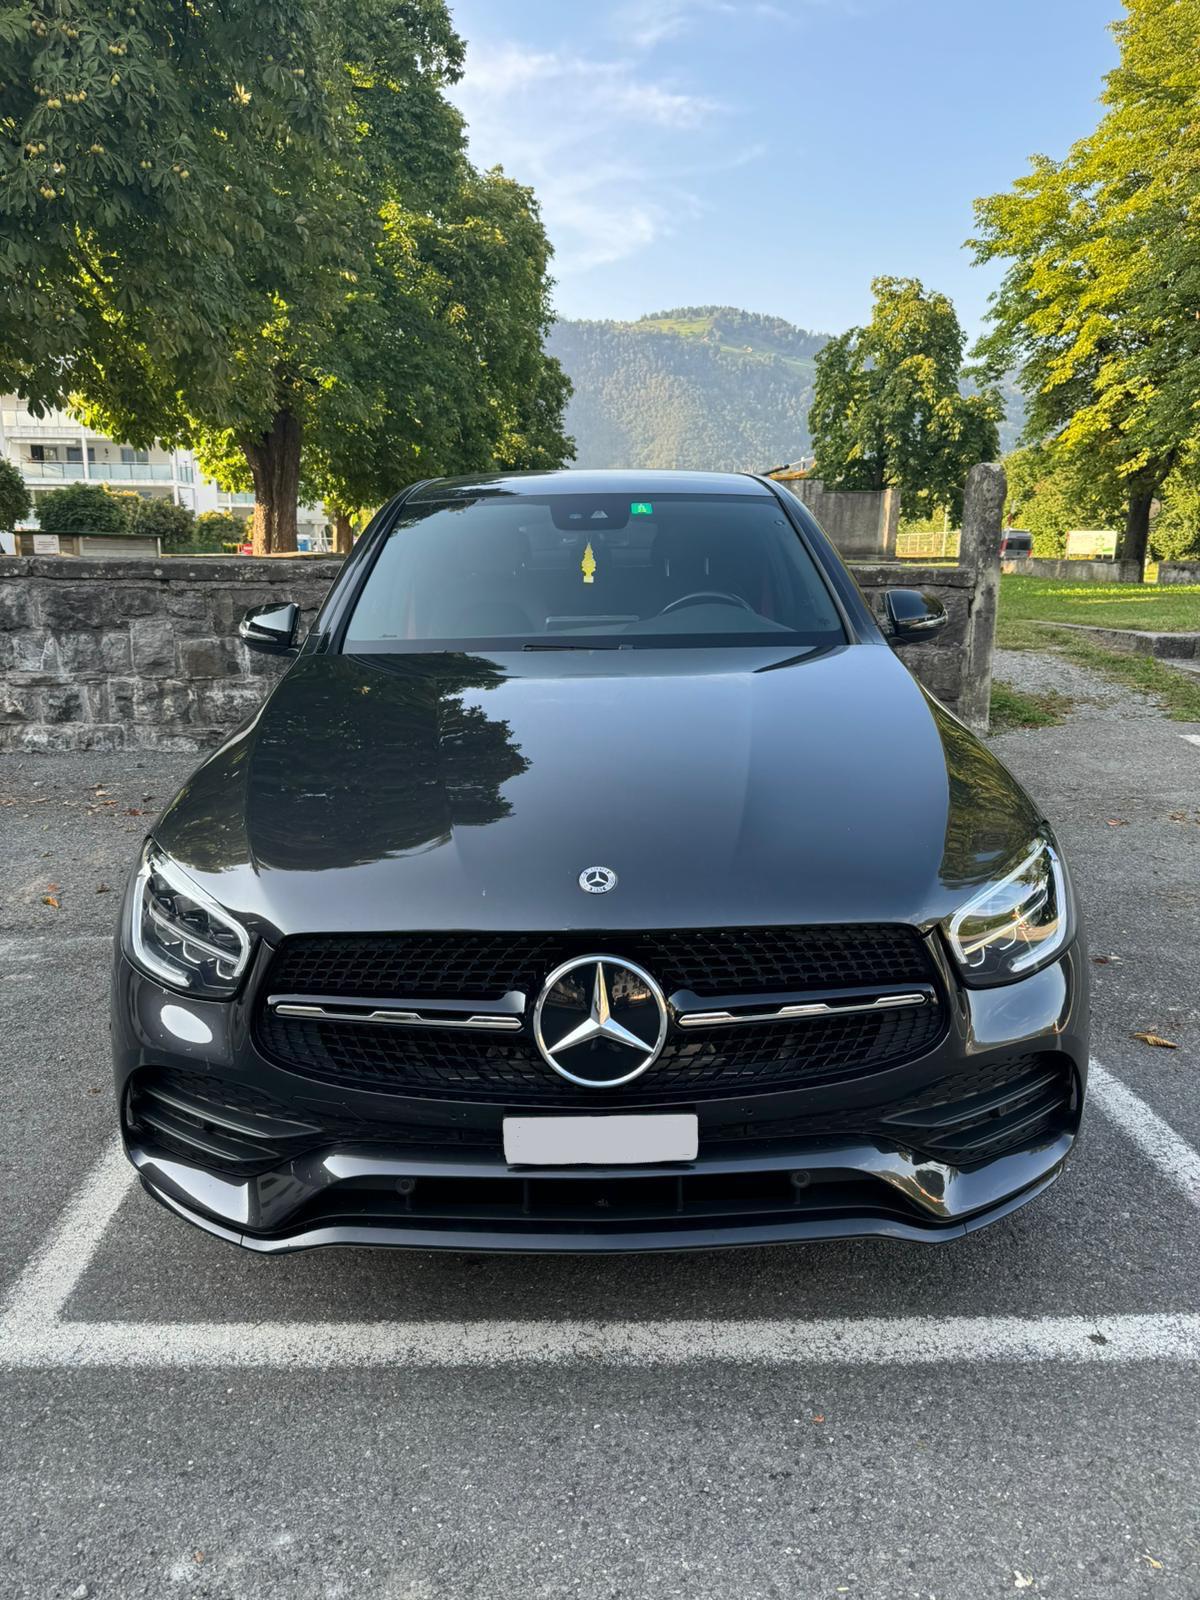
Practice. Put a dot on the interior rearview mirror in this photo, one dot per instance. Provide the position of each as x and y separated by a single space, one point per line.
913 615
271 628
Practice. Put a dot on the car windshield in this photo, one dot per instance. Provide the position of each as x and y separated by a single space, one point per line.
530 571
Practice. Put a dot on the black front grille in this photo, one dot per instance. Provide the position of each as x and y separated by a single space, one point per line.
708 961
708 1063
729 963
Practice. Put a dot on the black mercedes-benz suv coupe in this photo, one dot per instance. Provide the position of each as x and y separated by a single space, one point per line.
596 877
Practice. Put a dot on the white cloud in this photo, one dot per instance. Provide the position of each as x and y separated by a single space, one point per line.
606 146
646 23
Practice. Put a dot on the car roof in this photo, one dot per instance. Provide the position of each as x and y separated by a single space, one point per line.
638 485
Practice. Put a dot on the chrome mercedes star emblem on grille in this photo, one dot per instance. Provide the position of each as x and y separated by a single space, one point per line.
597 880
600 1021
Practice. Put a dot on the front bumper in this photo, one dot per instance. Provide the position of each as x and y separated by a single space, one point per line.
385 1169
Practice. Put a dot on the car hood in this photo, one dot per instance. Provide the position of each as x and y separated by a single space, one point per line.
727 787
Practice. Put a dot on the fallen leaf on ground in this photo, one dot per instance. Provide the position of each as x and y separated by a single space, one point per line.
102 888
1117 822
1155 1039
49 900
1022 1580
1150 1562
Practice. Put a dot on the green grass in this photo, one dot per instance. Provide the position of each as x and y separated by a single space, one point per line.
1172 609
1027 604
1013 708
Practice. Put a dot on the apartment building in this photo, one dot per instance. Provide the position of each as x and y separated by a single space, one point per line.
58 449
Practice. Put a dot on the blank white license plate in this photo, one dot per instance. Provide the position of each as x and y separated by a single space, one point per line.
600 1141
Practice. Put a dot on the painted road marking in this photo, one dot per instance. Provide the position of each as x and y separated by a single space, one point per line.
33 1332
1192 738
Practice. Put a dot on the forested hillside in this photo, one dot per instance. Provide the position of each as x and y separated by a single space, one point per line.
700 386
704 386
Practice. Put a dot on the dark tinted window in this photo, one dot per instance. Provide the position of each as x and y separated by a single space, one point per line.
589 569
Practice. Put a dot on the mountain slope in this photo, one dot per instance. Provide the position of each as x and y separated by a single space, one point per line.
701 387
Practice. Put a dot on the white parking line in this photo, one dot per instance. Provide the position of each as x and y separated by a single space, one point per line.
858 1341
1192 738
1177 1160
33 1333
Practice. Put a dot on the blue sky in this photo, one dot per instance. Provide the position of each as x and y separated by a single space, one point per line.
773 154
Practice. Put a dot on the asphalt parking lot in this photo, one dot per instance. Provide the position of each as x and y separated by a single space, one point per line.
1013 1413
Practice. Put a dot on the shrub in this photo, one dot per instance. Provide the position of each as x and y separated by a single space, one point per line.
14 497
82 508
217 528
163 519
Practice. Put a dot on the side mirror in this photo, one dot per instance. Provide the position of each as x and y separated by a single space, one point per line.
913 616
271 628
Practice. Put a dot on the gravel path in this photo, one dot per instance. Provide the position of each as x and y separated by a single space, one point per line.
1097 699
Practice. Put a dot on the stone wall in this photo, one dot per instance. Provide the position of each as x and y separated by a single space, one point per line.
861 523
121 653
1077 571
1179 572
113 654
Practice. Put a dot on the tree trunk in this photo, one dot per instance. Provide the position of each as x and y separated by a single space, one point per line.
274 459
1137 527
343 533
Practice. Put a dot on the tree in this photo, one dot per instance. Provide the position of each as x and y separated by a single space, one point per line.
82 508
441 361
1048 496
888 409
155 518
14 497
1097 305
1175 531
259 156
144 193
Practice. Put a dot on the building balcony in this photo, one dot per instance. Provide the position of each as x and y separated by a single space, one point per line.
51 471
106 472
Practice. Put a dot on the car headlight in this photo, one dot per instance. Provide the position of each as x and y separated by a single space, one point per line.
1016 924
180 935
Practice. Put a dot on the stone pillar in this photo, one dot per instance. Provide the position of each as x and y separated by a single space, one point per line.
889 524
982 526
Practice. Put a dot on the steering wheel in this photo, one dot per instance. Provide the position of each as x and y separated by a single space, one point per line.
707 594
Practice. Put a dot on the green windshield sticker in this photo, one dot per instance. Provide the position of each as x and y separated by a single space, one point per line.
641 508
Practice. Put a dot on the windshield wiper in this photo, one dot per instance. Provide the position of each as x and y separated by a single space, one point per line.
570 647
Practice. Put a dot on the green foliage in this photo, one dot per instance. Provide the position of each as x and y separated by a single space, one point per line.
888 407
149 158
256 224
14 496
1097 306
681 389
1175 532
82 508
215 529
440 359
160 518
1048 496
